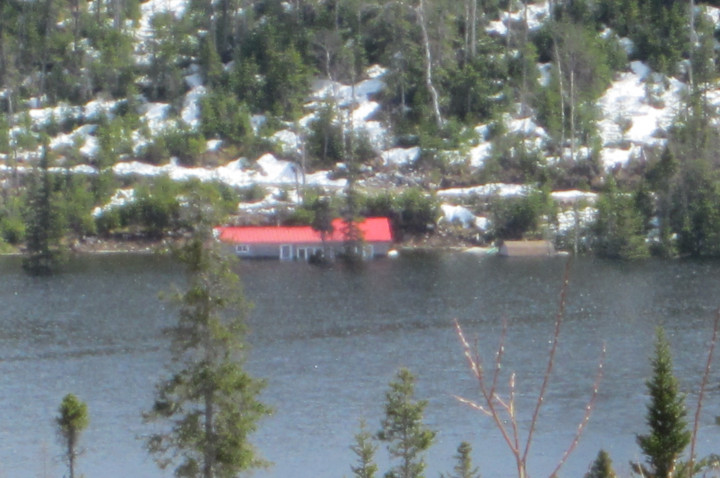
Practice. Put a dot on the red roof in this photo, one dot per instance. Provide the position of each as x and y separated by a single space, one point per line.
373 229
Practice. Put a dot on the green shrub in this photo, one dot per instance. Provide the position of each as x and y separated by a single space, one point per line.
418 211
519 217
107 222
12 229
223 116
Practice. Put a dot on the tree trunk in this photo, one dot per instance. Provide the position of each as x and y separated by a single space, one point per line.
71 454
48 24
693 42
562 99
117 14
523 91
428 65
466 51
473 28
572 114
209 452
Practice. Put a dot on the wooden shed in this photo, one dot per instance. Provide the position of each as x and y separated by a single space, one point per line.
526 249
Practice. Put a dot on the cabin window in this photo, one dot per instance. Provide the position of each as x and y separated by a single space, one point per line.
242 249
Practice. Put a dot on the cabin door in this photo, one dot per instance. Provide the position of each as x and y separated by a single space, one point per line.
368 251
286 252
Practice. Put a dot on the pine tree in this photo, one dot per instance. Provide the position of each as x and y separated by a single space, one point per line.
464 467
71 421
669 434
211 402
403 429
364 449
601 467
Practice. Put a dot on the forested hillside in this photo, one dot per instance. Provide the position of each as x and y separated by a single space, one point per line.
465 93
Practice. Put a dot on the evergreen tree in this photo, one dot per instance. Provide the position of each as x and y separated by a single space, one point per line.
43 222
364 449
619 227
601 467
210 401
323 215
72 419
403 429
669 434
464 467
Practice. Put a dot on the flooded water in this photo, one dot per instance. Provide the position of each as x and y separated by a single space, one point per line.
328 341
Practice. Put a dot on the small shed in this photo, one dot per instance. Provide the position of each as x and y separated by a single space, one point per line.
526 249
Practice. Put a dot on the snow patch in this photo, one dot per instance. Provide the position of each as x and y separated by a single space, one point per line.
573 196
452 214
400 156
239 173
537 13
487 190
155 114
637 106
119 199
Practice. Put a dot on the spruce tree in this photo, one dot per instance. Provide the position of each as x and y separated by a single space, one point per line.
601 467
669 434
72 419
364 449
464 467
403 429
210 402
43 221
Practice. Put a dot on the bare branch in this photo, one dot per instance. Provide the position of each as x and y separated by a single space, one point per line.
489 398
499 356
475 365
703 386
504 411
513 415
586 418
472 404
551 359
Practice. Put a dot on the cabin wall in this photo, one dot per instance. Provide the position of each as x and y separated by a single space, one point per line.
300 251
526 249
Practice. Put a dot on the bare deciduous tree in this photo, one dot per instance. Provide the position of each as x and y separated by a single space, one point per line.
503 410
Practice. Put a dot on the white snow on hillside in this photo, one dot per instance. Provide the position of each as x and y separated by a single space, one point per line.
120 198
571 220
573 196
486 190
463 216
636 112
400 156
240 173
155 115
152 7
537 13
640 102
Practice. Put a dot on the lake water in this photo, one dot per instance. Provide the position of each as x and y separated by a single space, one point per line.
328 341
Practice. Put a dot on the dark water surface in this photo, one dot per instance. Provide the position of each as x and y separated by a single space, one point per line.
328 341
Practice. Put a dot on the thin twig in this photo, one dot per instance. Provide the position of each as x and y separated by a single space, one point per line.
703 386
489 399
551 360
513 415
586 418
499 356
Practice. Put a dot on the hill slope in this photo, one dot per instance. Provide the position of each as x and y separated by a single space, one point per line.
452 98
